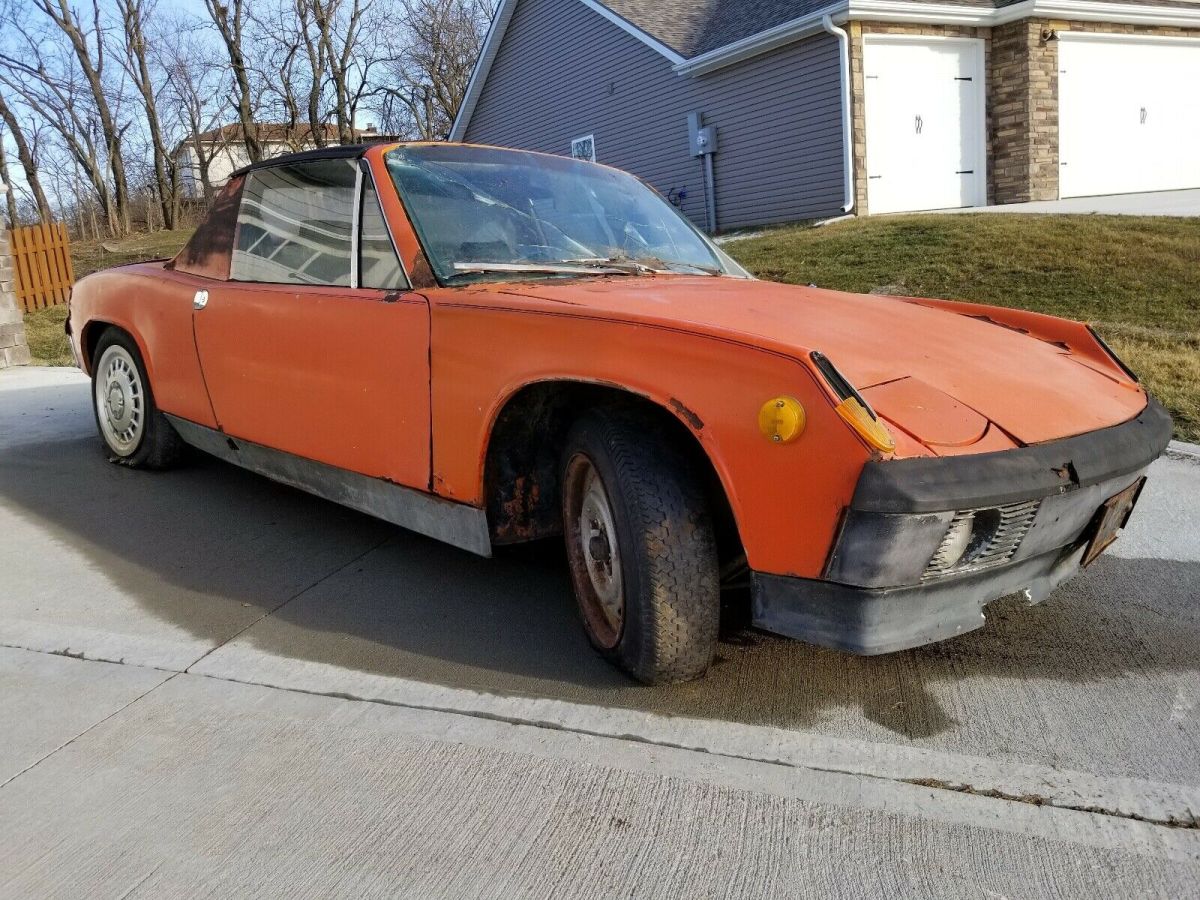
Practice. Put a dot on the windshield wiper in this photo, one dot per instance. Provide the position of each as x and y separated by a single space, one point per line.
647 265
624 263
566 267
695 267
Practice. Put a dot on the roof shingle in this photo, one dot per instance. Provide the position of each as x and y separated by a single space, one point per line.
692 27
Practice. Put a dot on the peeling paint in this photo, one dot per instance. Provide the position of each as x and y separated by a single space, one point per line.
690 417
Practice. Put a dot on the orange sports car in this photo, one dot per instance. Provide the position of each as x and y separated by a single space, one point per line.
491 346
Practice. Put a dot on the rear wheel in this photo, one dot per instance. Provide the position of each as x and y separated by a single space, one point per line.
134 432
641 548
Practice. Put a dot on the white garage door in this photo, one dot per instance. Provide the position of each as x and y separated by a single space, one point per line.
1129 114
925 123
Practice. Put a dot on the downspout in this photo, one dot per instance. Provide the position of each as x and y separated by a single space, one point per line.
847 119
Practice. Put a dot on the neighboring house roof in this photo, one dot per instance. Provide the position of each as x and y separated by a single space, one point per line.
698 36
274 133
692 27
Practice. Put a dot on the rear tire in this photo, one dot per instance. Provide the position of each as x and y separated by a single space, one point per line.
641 548
134 432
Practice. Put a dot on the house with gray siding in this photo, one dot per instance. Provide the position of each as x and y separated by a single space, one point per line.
755 112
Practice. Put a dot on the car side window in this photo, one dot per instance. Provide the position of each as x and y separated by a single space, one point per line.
378 266
296 224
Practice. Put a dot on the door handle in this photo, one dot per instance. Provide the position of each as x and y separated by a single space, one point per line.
200 300
918 123
1143 117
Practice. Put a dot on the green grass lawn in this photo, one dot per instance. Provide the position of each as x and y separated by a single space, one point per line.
1136 279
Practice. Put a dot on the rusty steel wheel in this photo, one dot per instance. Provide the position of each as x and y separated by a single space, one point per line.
641 547
594 553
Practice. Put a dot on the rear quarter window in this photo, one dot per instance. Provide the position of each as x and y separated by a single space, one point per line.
295 224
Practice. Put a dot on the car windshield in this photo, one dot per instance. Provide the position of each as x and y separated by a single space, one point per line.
487 213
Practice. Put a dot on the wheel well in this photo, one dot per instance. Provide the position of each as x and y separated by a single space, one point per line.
91 338
521 476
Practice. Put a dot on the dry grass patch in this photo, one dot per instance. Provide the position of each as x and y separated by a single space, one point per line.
92 256
47 341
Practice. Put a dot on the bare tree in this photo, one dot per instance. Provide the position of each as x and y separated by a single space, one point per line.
135 15
10 195
63 106
29 166
315 52
424 83
339 24
230 21
318 65
134 97
196 96
87 42
289 63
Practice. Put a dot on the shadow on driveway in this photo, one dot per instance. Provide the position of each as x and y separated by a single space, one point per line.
1104 664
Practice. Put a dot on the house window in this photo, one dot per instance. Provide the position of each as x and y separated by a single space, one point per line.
584 147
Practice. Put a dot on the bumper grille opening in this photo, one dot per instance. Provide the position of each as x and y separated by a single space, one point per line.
995 534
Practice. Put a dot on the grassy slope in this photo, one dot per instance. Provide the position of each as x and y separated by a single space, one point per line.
1136 279
91 256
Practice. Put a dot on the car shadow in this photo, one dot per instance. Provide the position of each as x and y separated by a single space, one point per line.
388 602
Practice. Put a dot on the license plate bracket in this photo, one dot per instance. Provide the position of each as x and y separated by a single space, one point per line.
1110 519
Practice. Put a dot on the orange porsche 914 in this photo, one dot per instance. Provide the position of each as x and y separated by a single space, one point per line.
492 346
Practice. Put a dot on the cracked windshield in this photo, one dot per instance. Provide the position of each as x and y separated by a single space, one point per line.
486 213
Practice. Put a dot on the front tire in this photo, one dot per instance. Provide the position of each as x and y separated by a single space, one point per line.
134 432
641 548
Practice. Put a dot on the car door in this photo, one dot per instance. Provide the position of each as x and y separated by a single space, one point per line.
316 346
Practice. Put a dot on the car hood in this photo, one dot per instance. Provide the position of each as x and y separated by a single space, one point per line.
955 383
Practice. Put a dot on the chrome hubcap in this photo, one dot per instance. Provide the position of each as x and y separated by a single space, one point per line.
598 537
120 400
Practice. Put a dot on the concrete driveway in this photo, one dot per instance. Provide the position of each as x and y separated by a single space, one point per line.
1159 203
210 683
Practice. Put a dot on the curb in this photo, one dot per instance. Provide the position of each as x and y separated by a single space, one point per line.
1183 450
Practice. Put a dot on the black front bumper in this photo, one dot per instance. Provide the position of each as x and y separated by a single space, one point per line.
928 484
1073 477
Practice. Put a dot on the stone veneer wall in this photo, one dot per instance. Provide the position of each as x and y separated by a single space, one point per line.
13 349
1022 99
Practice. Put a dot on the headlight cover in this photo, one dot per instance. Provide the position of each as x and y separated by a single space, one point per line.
897 549
852 408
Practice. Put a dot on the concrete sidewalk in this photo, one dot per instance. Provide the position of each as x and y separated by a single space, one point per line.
281 697
199 786
1159 203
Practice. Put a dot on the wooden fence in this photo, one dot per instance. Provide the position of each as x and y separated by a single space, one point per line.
42 269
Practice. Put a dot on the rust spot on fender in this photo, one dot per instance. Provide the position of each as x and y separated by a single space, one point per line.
692 419
520 520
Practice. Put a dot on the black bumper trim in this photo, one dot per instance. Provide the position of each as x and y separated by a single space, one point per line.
1009 476
870 621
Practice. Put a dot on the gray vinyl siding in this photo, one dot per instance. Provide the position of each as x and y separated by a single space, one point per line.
563 71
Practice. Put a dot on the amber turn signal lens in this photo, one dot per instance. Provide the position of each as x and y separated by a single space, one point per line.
781 419
869 428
